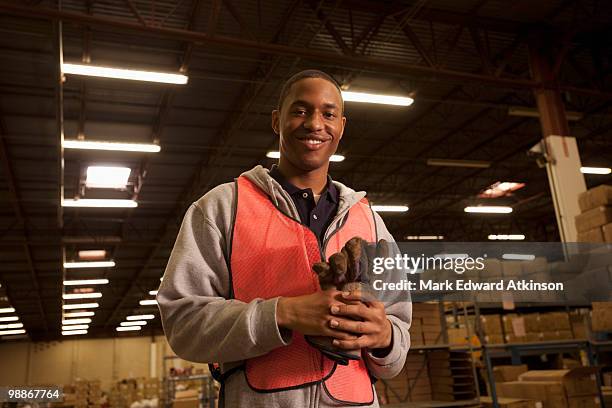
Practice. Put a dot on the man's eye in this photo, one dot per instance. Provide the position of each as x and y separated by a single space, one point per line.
329 115
299 112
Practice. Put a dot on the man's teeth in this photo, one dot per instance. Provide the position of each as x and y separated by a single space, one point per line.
313 141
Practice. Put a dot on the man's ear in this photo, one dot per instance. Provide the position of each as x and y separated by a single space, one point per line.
343 125
276 121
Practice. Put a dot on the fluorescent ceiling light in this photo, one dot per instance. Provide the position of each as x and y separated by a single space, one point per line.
99 203
94 264
390 208
78 282
81 306
424 237
76 321
507 237
376 98
7 310
501 189
519 257
76 327
477 164
333 158
134 323
118 73
527 112
488 209
11 326
92 254
9 319
114 146
595 170
79 314
7 332
141 317
94 295
128 328
148 302
107 177
73 332
152 292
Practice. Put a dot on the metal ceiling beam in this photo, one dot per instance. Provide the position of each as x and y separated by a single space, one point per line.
19 213
359 62
318 10
159 121
416 42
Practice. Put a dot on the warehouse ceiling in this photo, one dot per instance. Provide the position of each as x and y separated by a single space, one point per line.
465 63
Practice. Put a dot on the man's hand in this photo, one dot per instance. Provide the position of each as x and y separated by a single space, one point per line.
370 322
311 314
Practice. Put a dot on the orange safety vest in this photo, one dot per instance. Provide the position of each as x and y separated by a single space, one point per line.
272 255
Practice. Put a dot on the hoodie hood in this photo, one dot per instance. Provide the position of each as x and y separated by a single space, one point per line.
261 177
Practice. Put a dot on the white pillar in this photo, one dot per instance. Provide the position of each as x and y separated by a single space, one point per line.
566 182
153 359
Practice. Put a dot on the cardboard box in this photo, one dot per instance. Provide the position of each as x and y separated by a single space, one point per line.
550 393
576 382
593 235
600 195
507 373
186 403
593 218
186 394
494 339
602 306
601 320
491 324
607 232
487 402
588 401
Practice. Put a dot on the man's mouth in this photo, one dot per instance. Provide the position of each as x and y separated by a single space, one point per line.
313 141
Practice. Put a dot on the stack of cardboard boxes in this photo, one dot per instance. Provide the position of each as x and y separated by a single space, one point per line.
534 327
189 398
601 318
83 394
125 392
572 388
440 375
426 327
411 384
452 376
518 328
594 224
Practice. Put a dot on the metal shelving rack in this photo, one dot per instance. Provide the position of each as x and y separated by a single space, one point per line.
451 347
516 350
207 394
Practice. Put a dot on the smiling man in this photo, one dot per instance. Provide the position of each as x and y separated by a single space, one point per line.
239 288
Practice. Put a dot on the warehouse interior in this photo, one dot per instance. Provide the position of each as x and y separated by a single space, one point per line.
486 81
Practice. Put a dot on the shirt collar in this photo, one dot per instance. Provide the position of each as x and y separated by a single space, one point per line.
330 192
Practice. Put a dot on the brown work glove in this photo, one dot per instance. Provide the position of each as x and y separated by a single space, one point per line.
347 270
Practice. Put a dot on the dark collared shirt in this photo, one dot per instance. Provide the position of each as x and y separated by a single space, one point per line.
317 216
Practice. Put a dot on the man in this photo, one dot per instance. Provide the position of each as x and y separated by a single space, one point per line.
239 287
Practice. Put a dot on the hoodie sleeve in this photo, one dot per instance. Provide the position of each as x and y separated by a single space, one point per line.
201 323
399 312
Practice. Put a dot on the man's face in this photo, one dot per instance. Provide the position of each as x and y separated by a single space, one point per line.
310 123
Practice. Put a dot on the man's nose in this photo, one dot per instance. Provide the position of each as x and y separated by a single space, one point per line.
314 122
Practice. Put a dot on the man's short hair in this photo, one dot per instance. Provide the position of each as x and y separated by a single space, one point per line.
308 73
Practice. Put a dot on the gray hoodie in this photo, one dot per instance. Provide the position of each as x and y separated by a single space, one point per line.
203 325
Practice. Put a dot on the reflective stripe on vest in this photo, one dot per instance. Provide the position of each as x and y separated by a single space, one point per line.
272 255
